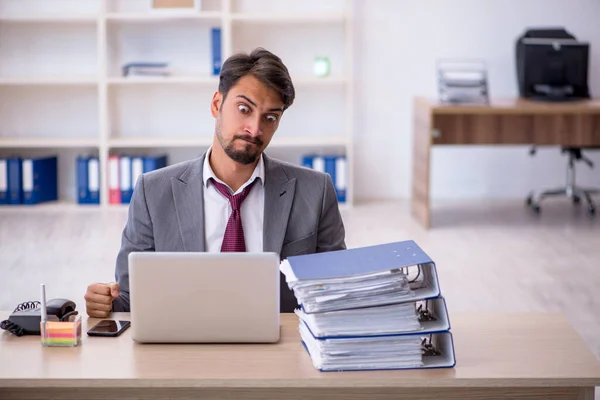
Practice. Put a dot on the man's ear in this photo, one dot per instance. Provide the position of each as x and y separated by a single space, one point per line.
216 104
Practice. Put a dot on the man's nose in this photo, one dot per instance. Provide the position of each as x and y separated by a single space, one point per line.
253 126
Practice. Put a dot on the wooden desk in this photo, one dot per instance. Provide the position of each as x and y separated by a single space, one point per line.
538 356
503 122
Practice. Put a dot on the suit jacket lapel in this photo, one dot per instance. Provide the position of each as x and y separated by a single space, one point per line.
279 195
188 191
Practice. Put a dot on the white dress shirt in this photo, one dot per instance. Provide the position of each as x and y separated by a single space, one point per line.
217 209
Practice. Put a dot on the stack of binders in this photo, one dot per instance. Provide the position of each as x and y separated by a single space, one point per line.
377 307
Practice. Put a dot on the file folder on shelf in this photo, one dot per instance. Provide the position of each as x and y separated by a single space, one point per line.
125 179
3 182
40 180
14 180
88 180
114 184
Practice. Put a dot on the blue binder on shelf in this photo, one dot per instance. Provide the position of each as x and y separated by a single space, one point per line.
125 179
152 163
40 180
335 166
215 35
341 178
88 180
3 182
14 180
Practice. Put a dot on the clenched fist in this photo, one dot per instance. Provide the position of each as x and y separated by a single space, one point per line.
99 298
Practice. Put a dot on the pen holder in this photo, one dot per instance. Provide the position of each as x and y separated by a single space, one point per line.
61 333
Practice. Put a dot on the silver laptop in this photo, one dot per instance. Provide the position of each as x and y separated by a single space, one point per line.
204 297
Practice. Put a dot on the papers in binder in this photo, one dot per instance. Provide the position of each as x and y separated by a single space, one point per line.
426 316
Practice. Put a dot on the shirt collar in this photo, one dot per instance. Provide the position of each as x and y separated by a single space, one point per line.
208 173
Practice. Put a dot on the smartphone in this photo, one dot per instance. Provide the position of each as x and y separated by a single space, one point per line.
109 327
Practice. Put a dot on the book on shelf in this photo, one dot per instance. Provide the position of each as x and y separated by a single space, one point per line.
375 307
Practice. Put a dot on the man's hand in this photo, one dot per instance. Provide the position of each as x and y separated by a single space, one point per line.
99 298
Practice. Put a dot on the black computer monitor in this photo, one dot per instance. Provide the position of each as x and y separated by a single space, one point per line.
554 69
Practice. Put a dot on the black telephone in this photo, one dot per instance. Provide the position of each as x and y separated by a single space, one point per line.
26 318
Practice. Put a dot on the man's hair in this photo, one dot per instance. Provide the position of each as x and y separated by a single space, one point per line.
264 66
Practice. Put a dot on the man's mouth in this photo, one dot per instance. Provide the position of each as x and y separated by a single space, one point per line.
252 141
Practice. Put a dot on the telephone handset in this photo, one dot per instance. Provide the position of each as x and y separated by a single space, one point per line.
26 318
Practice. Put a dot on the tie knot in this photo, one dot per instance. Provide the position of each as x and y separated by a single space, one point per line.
234 200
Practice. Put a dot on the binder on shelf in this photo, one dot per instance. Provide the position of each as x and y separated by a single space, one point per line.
215 35
137 169
94 180
335 166
14 180
152 163
125 179
40 180
114 187
83 191
3 182
341 180
88 180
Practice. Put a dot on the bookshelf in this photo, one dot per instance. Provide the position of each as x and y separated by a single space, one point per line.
62 91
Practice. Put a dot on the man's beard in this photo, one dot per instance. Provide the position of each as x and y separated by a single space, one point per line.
248 155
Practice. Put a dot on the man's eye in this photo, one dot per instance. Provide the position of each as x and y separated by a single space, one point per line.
244 109
271 118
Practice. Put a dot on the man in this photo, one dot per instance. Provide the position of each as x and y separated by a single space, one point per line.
234 197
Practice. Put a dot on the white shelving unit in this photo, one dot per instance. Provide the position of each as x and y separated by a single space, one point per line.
61 89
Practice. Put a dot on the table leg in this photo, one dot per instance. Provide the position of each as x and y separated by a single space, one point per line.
421 164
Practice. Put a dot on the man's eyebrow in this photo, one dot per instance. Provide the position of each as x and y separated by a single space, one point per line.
247 99
280 109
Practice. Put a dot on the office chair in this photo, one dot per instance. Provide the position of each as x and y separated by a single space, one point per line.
571 191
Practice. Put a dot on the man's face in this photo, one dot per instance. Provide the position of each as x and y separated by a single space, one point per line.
247 119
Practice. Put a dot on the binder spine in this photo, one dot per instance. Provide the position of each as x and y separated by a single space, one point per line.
83 193
341 180
114 189
137 169
93 168
216 50
15 177
125 179
30 196
3 182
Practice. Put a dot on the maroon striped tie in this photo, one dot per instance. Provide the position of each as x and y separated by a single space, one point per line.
233 240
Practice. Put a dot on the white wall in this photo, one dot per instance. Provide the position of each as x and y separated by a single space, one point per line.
397 43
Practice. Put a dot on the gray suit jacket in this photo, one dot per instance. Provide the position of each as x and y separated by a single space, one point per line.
166 213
